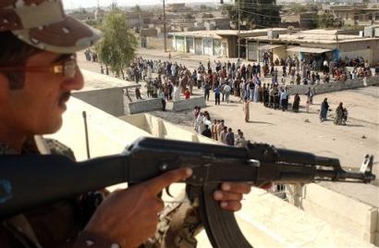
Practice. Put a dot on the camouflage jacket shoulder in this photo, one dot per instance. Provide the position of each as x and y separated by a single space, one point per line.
30 147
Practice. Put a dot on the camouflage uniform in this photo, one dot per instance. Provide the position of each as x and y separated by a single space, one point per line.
178 225
53 225
60 224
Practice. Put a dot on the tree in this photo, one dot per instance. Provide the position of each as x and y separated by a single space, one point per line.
327 20
136 8
255 13
118 46
298 8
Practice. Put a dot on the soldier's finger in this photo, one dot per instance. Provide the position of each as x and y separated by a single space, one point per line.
231 205
157 184
219 195
242 188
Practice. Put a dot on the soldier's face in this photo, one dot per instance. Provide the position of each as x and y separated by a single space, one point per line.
37 108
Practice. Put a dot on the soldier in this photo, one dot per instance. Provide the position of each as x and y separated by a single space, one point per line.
38 72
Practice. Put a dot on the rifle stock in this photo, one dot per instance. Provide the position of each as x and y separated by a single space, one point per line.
32 180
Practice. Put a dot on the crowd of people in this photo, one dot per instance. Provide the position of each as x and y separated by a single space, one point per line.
174 81
316 69
170 80
223 79
216 129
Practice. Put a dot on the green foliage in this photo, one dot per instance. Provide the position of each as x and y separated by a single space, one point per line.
206 8
118 46
188 16
136 8
203 7
327 20
298 8
255 13
232 12
92 22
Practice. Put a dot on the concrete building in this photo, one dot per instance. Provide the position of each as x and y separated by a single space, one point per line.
177 7
354 14
330 44
138 19
223 43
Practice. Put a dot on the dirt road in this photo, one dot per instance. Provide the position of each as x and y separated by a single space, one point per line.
300 131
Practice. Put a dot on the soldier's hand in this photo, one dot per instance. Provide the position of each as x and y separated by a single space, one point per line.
230 194
130 216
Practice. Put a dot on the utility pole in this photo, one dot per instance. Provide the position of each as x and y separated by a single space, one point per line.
164 27
114 5
239 29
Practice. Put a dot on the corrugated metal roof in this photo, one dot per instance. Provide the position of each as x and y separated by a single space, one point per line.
268 47
197 34
307 49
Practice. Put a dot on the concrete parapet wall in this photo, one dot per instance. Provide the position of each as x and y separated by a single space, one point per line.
163 129
187 104
137 120
109 100
107 134
144 106
359 219
263 214
333 86
158 127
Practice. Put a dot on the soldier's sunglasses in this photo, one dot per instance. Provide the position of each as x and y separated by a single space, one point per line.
66 67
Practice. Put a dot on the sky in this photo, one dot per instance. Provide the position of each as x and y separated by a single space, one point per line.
73 4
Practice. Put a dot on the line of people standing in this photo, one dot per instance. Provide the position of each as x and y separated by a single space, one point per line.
216 129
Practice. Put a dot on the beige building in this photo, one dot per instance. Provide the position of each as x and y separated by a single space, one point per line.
221 43
354 14
330 44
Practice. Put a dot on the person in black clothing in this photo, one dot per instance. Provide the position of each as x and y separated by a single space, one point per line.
296 103
207 131
324 110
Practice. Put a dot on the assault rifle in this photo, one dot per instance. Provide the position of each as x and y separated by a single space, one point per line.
29 181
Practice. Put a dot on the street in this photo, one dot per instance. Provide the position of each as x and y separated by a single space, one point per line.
299 131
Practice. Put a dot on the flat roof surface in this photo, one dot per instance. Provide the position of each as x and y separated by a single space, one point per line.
323 36
268 47
96 81
307 49
219 33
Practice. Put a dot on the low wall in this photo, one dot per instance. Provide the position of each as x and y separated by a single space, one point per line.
106 133
163 129
187 104
358 218
110 100
333 86
144 106
263 214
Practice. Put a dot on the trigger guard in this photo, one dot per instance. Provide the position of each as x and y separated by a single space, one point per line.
167 190
193 192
